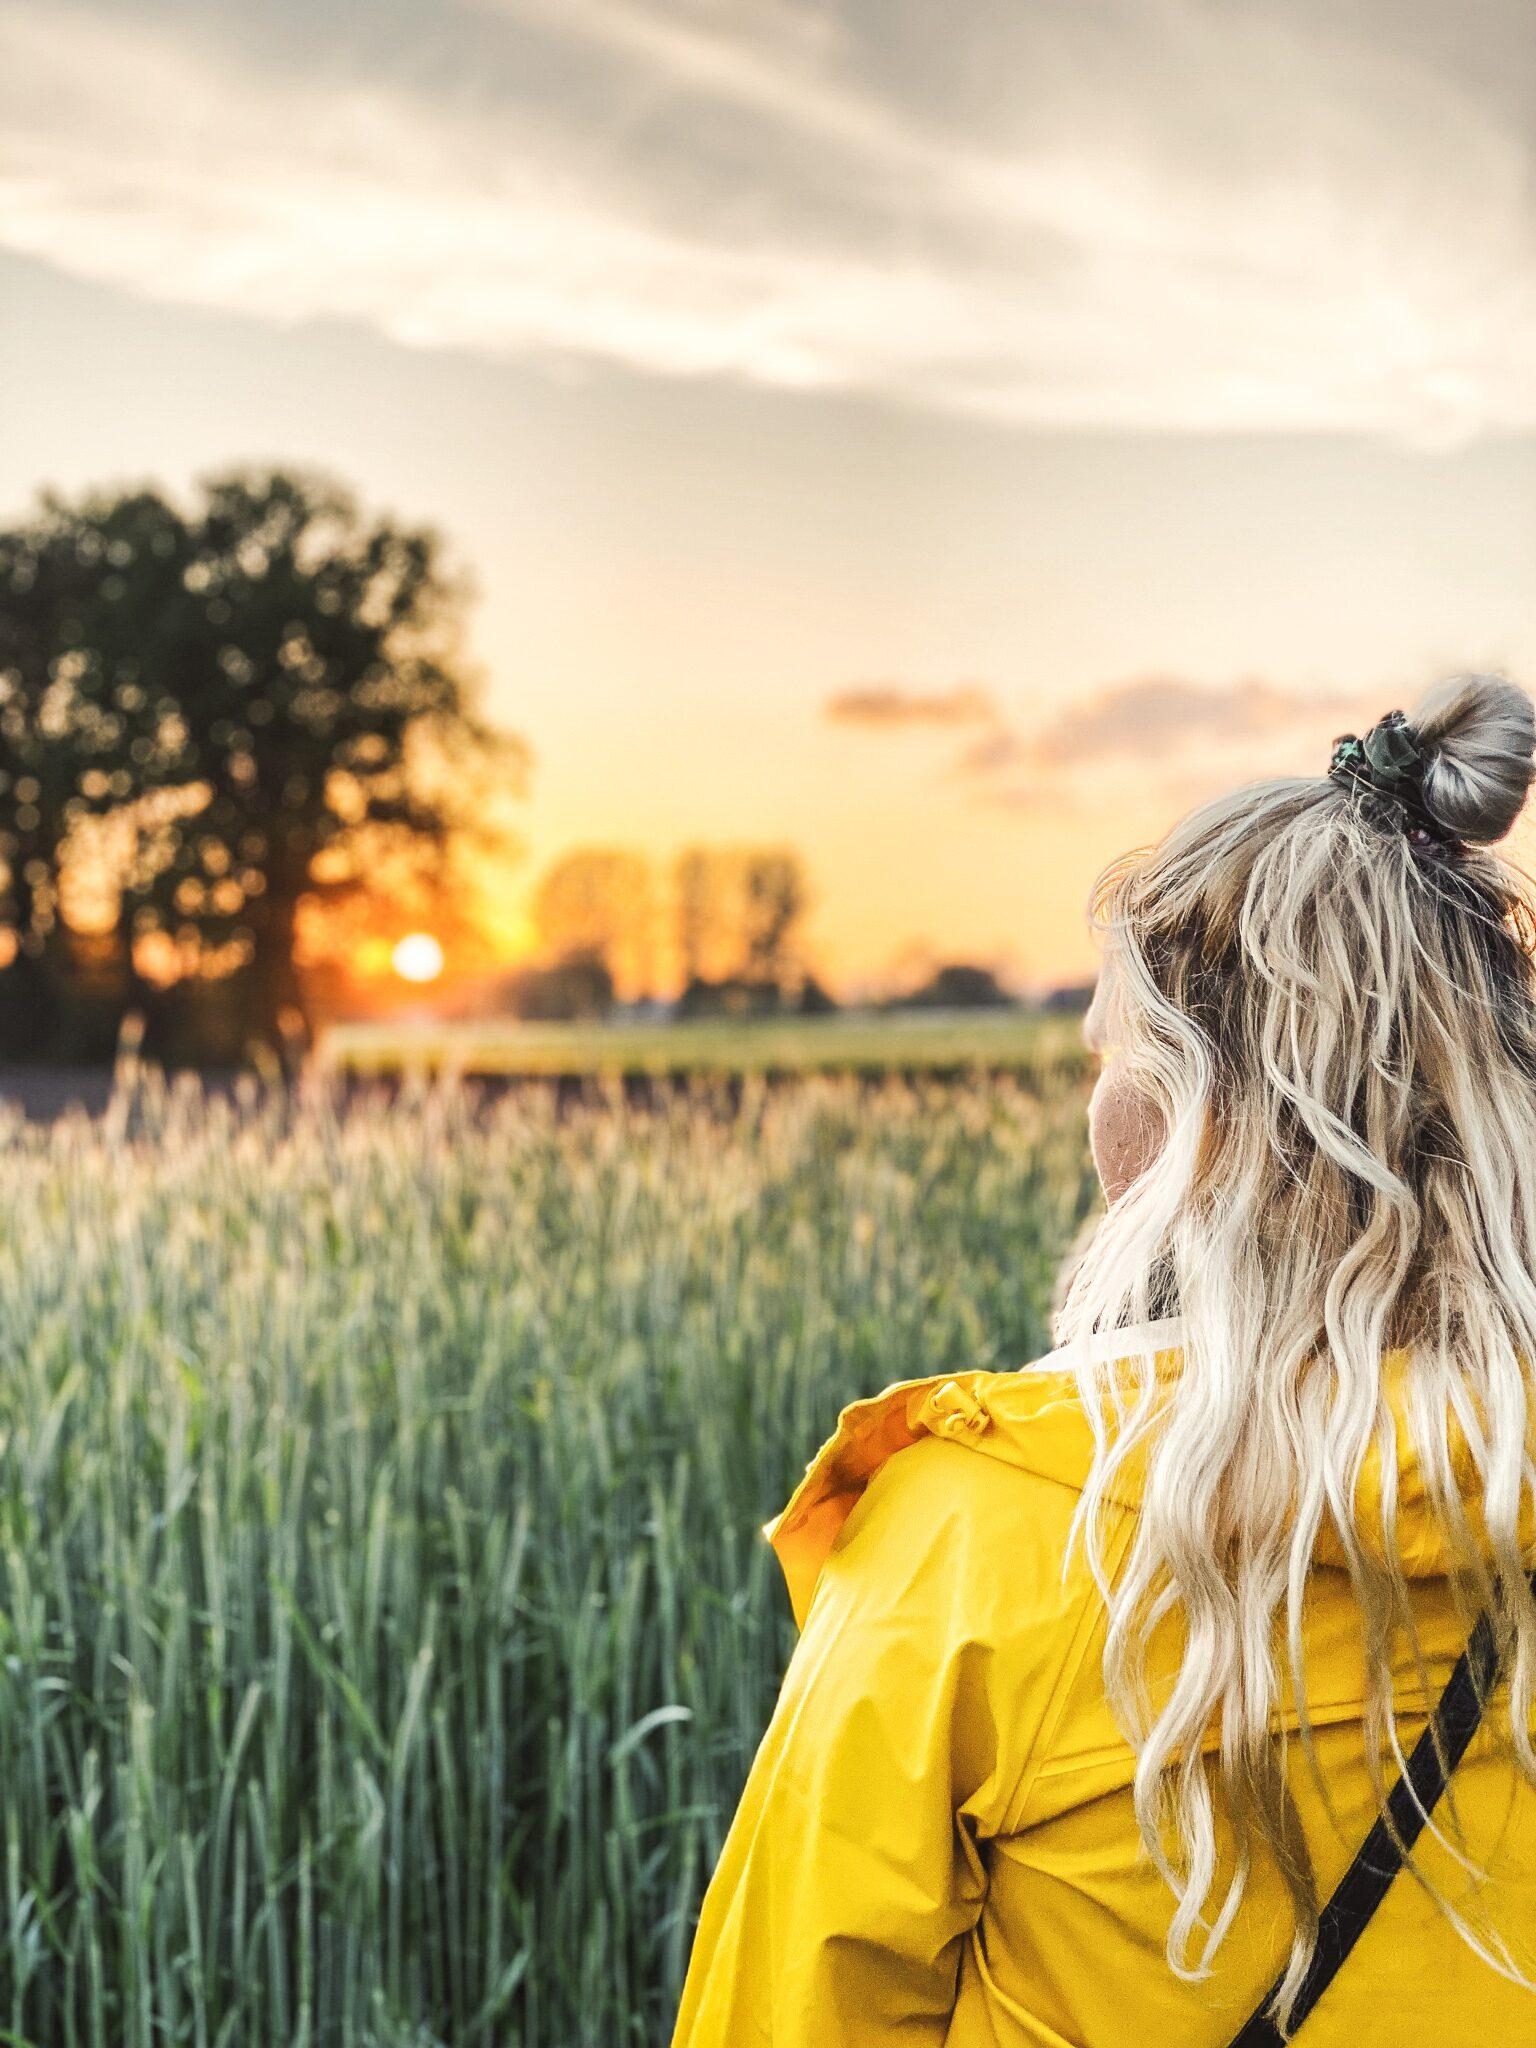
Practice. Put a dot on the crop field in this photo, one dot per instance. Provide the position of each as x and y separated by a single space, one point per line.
385 1626
913 1041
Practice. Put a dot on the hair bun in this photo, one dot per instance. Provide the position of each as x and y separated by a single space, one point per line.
1478 735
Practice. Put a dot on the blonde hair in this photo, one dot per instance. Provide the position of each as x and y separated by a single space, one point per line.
1336 1028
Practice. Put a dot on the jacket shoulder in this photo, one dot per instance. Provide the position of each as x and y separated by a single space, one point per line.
1026 1431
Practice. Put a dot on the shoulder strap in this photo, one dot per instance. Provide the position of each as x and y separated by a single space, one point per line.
1364 1885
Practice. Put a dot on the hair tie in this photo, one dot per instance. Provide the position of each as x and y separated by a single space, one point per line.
1390 763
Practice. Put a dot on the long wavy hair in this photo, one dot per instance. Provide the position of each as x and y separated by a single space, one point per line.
1334 1024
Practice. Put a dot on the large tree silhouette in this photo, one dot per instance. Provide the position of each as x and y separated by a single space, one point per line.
285 663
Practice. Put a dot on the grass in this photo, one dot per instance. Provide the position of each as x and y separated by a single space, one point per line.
384 1624
912 1041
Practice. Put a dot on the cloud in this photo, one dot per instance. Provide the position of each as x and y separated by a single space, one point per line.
1142 718
1160 217
1159 723
887 705
1000 748
1179 738
1177 735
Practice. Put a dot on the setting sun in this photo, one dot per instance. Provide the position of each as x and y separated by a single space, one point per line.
418 957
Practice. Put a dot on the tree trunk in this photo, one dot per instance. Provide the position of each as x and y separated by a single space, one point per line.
277 1015
29 996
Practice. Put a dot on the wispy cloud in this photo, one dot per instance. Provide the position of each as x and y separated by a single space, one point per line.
1169 727
887 705
1298 228
1142 718
993 751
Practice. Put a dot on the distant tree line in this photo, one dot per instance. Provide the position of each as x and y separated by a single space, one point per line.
212 721
732 919
957 985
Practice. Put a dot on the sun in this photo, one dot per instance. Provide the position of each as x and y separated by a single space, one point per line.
417 957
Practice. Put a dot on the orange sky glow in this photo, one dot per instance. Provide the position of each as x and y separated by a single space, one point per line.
946 442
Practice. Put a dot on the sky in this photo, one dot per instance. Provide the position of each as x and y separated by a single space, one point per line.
950 440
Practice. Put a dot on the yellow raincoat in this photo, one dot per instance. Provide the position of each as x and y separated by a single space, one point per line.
936 1843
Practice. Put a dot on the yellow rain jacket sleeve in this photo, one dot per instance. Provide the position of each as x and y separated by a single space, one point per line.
838 1911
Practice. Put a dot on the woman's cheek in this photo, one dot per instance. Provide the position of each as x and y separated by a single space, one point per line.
1098 1132
1123 1133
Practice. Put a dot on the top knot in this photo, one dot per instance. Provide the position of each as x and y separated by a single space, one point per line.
1457 768
1477 735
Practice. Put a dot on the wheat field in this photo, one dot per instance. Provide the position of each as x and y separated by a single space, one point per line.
385 1626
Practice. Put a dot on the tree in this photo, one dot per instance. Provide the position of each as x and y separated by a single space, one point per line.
702 887
331 678
92 654
284 668
773 902
739 911
575 988
599 903
958 985
816 1000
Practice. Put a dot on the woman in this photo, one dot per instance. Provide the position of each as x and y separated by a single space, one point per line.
1107 1665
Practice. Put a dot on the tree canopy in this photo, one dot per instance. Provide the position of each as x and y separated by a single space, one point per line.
210 718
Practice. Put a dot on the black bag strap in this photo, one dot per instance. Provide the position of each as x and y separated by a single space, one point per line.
1364 1885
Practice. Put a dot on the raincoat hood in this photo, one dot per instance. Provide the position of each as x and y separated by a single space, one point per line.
1033 1418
